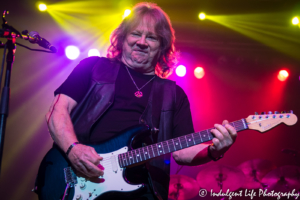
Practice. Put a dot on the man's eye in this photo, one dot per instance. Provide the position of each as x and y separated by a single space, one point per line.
152 37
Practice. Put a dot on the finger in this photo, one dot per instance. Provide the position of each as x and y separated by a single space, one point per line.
223 130
216 144
217 134
79 167
227 138
95 153
95 157
93 170
225 122
232 131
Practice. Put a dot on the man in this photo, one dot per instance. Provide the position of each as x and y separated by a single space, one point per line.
104 96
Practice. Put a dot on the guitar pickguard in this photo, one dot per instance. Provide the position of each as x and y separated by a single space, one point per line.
112 180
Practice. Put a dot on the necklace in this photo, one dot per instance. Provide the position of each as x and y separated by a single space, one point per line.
138 93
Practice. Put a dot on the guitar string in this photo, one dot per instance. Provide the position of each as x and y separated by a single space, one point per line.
164 145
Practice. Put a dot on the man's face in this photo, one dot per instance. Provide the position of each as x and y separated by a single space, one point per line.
141 47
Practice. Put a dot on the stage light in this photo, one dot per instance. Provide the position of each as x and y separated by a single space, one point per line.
283 75
295 20
202 16
93 52
199 72
72 52
181 70
126 13
42 7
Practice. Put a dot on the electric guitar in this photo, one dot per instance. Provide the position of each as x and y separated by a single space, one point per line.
56 176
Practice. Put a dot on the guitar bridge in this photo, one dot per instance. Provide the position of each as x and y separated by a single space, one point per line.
70 177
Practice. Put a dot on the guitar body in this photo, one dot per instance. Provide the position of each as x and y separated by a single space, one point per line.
51 181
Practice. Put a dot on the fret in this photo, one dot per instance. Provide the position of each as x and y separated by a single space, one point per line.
130 158
174 145
244 124
162 147
187 144
190 140
200 136
133 156
147 152
197 138
233 125
153 151
177 143
205 136
157 150
125 158
193 138
139 155
165 147
183 142
133 153
168 146
123 161
144 153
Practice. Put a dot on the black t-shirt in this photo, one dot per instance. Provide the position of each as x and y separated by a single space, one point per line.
126 108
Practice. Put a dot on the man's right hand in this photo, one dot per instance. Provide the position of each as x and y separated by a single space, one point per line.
86 161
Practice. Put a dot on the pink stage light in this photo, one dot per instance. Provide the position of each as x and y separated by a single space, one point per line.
199 72
283 75
181 70
72 52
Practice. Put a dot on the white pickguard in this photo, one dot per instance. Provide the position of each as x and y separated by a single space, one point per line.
112 179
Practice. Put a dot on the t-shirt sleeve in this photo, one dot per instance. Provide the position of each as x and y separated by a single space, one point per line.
183 123
76 85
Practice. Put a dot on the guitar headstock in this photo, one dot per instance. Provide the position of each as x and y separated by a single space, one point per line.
265 122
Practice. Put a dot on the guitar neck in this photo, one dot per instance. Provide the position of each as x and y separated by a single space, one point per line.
148 152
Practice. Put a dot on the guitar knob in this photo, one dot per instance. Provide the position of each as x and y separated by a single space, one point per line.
276 112
270 112
256 113
283 112
263 113
291 111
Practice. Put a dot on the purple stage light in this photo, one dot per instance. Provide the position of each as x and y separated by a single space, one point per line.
72 52
181 70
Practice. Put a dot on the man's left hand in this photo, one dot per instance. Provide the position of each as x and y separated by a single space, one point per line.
225 136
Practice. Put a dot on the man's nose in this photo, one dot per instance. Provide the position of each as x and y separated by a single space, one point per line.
142 43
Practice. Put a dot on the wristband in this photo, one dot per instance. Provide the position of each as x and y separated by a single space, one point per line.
70 147
213 158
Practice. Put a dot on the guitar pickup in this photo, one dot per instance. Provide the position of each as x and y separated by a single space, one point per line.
114 164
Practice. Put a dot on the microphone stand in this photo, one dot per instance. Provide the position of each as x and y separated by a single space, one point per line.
11 47
11 34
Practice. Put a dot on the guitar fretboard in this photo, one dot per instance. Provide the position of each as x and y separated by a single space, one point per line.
148 152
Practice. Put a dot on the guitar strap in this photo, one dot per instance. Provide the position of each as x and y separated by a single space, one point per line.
157 102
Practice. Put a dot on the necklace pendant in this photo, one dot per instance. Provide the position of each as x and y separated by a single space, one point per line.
138 94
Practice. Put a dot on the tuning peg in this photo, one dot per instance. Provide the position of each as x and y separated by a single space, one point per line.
256 113
291 111
276 112
283 112
263 113
270 112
